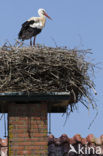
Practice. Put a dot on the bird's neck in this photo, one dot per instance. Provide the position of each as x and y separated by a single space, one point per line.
43 20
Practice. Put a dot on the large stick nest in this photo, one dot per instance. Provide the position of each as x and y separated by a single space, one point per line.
45 69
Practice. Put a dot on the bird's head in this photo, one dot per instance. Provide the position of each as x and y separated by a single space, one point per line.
42 12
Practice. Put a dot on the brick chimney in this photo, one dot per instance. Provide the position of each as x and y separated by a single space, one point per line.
27 127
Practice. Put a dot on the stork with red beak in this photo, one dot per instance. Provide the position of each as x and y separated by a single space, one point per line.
33 26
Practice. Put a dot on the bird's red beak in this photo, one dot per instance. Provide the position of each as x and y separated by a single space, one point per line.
47 15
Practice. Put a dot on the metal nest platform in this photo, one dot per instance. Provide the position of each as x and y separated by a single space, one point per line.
57 101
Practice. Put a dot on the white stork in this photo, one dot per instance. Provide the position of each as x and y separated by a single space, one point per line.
33 26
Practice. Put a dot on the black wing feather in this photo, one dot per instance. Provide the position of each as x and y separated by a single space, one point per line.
24 29
27 24
27 32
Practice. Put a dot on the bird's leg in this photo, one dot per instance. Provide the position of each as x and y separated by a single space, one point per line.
30 41
34 41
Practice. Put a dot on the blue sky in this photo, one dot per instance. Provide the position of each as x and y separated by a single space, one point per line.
76 24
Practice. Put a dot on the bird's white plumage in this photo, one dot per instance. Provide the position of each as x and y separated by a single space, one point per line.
39 22
37 25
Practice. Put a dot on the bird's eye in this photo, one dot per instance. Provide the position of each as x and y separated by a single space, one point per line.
43 12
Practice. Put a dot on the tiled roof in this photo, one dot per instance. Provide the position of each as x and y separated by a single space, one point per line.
82 146
61 146
3 147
